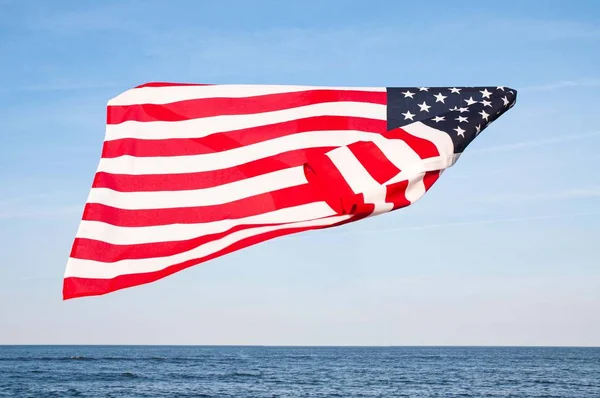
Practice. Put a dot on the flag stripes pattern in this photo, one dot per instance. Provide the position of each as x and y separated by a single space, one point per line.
192 172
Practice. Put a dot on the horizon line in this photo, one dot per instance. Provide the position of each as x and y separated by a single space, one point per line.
300 346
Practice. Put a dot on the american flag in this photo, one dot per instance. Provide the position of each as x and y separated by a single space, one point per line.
191 172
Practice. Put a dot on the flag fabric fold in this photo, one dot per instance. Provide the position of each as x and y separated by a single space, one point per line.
191 172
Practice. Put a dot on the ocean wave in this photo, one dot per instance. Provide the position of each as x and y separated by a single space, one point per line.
241 373
81 358
89 358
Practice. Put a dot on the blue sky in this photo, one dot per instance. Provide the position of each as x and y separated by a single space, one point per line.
502 251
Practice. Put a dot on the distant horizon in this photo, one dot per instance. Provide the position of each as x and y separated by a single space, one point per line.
290 346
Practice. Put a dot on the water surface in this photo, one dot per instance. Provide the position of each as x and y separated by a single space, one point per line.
201 371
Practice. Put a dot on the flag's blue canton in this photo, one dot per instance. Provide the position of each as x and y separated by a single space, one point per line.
461 112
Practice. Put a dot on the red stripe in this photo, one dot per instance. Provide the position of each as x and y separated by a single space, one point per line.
80 287
430 178
91 249
424 148
396 194
206 107
325 178
238 138
204 179
251 206
374 161
167 84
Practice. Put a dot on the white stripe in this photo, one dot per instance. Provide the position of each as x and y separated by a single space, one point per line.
377 198
398 152
352 170
167 94
416 188
202 127
200 197
94 269
440 139
447 157
220 160
113 234
359 179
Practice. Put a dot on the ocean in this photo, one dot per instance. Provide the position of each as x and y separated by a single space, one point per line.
209 371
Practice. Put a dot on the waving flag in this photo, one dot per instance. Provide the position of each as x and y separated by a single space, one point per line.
193 172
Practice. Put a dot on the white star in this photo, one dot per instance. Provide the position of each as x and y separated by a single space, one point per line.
460 131
455 90
485 93
424 107
461 119
461 110
423 89
438 119
500 88
505 101
408 115
470 101
484 115
478 129
486 103
454 109
440 98
408 94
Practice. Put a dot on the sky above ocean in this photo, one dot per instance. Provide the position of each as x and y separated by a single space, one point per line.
502 251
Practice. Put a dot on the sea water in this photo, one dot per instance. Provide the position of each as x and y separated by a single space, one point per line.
205 371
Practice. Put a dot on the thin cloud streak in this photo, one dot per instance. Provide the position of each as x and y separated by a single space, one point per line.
536 143
317 233
41 213
586 83
68 86
491 221
581 193
25 198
